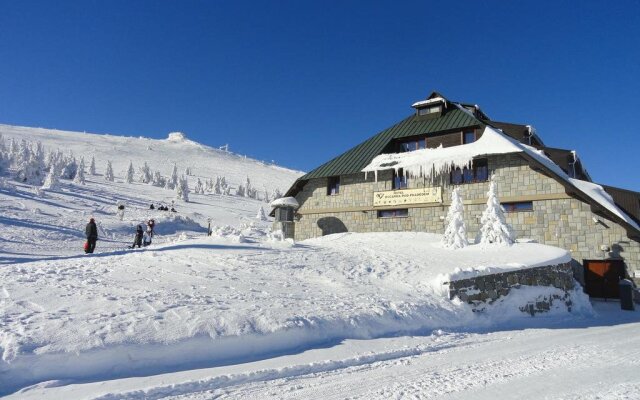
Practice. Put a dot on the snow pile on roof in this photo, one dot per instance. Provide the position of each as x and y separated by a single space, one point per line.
177 137
431 163
435 100
603 198
286 202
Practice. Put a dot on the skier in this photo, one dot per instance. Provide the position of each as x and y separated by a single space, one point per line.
152 207
92 236
137 241
150 225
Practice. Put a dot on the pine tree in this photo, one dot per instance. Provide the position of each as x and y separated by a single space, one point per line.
248 188
199 189
455 234
69 167
276 194
240 191
217 188
266 196
108 174
145 173
92 166
158 179
494 226
79 178
261 215
172 182
51 181
182 189
130 173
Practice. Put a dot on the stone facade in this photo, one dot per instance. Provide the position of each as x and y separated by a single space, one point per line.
557 219
482 290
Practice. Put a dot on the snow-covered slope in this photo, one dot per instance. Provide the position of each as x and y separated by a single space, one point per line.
50 223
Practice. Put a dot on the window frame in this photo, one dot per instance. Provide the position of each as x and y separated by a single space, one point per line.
399 181
512 206
333 186
395 211
473 175
464 136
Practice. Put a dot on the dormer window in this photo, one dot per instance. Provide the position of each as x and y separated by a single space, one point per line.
430 110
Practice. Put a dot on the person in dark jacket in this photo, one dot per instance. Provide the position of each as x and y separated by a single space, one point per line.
137 241
92 235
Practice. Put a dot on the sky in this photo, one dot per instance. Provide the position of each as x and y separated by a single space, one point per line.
300 82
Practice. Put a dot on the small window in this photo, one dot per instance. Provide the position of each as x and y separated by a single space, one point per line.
429 110
284 214
413 144
399 180
399 213
333 186
478 173
468 137
517 206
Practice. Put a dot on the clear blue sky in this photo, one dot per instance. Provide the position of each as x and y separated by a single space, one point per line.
299 82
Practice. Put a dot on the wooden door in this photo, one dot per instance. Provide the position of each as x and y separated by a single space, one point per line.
601 278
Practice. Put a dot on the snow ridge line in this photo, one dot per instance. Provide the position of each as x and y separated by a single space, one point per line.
268 374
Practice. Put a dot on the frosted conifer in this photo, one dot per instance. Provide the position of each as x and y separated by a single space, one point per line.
172 182
130 173
92 166
261 215
199 189
494 227
51 181
145 173
79 178
455 234
108 174
182 189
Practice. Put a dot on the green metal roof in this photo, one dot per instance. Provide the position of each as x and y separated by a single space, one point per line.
360 156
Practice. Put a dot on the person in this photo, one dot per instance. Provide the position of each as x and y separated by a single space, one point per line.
137 241
150 225
152 207
146 239
91 232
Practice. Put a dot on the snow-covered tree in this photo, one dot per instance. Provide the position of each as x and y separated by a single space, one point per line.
494 227
108 174
26 165
51 181
199 188
182 189
455 234
92 166
276 194
39 157
248 188
79 178
217 188
158 179
130 172
266 198
69 167
145 173
240 191
261 215
172 182
187 171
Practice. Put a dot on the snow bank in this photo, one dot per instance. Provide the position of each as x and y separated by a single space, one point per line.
285 201
177 137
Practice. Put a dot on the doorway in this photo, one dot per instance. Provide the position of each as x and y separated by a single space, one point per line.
601 277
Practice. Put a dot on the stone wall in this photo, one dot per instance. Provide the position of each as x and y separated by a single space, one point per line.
556 219
482 290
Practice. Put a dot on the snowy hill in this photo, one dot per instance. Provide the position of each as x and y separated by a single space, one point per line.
51 222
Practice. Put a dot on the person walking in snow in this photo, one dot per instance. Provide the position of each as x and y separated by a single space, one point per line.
151 224
91 232
137 241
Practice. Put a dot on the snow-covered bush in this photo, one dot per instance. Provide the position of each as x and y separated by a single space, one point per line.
494 227
455 234
128 177
182 189
79 178
108 174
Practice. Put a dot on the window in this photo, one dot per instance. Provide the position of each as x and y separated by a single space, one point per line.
399 180
517 206
399 213
429 110
284 214
413 144
468 137
478 173
333 186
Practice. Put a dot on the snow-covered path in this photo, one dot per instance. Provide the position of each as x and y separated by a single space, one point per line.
591 358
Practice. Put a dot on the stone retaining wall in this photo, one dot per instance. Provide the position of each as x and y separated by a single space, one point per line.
482 290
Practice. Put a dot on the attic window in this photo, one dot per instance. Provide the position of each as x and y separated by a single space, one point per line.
430 110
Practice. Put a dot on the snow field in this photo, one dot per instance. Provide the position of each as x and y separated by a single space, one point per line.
234 296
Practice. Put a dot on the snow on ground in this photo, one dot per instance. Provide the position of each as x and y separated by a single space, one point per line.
234 296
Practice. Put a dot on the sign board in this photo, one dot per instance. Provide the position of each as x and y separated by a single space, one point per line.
407 196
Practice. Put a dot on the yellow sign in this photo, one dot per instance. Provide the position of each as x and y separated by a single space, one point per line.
407 196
